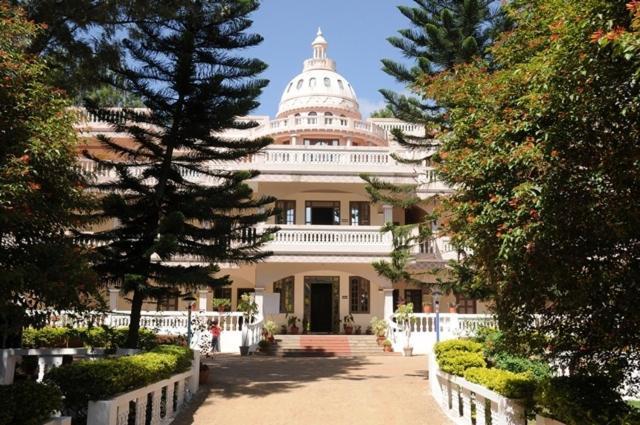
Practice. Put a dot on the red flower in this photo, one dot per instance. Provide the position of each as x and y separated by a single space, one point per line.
596 36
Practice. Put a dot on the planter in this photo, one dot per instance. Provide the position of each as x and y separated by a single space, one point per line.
453 310
380 340
427 309
408 351
203 377
244 350
388 349
348 330
294 330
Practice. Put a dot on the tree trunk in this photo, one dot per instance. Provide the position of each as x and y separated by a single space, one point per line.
134 321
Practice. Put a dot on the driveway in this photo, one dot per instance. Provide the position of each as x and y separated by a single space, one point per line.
310 391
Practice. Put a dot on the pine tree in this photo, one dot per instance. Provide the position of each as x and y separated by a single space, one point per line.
169 198
445 33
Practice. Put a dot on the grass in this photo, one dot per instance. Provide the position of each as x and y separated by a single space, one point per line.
634 403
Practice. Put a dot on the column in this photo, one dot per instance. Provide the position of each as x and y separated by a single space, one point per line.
203 294
8 360
388 213
259 299
113 298
294 139
349 141
481 410
466 403
388 302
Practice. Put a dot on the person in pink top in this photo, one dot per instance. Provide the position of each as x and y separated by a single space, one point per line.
215 336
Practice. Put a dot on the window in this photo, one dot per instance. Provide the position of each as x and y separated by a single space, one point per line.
359 213
414 296
313 114
285 287
327 82
286 212
299 85
168 302
223 292
312 82
340 85
465 305
322 212
289 89
359 288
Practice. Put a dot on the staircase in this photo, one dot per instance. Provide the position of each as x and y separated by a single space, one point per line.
327 346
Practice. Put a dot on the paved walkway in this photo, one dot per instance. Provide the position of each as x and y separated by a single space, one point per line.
310 391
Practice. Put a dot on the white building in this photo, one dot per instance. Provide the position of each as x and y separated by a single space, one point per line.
330 231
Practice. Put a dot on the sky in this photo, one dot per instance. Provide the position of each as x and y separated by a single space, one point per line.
356 31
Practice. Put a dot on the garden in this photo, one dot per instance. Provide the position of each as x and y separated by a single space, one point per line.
539 388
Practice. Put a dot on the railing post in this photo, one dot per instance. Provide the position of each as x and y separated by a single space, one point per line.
481 413
466 404
455 400
8 360
194 380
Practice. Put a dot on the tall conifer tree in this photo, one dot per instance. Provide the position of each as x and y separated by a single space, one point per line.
443 33
170 196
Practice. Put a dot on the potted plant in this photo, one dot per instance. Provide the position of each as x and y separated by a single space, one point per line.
405 318
221 304
427 307
305 325
369 331
453 308
347 324
358 330
292 321
203 377
379 328
270 328
283 329
387 346
249 309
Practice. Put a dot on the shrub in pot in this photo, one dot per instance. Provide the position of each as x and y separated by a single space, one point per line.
292 321
387 346
347 324
379 328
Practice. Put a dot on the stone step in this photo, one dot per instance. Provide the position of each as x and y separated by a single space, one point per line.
309 345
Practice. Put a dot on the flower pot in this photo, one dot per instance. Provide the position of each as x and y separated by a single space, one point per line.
203 378
453 310
380 339
408 351
244 350
294 330
348 330
427 309
388 349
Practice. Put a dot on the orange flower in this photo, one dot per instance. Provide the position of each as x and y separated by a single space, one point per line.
596 36
34 186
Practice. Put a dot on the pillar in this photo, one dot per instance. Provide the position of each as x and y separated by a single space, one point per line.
203 294
259 300
388 302
114 293
294 139
349 141
8 360
388 213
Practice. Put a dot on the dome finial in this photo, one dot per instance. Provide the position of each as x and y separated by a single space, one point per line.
319 31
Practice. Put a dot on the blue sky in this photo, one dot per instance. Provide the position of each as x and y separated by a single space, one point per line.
356 31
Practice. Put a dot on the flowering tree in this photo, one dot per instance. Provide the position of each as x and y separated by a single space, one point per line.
544 152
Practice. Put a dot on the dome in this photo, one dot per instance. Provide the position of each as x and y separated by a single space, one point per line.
319 86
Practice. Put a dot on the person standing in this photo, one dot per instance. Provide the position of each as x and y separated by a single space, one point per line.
215 336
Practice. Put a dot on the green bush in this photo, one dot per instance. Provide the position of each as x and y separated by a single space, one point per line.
456 362
492 341
104 337
579 400
508 384
538 369
465 345
88 380
48 337
28 403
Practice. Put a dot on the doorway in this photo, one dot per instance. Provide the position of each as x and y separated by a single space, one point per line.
322 213
321 313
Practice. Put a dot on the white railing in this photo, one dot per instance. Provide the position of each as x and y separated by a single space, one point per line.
321 123
330 239
423 329
157 403
458 398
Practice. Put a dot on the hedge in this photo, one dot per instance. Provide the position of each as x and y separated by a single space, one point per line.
538 369
88 380
464 345
456 362
28 403
508 384
579 400
111 338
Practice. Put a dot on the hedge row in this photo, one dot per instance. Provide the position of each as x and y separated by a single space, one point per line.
508 384
106 337
102 379
28 403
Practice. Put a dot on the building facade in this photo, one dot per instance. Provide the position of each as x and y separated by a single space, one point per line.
321 267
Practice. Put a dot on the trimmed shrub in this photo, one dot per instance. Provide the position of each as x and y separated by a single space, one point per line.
47 337
539 370
508 384
465 345
28 403
88 380
456 362
105 337
579 400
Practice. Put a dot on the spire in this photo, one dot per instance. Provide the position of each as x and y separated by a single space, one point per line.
319 46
